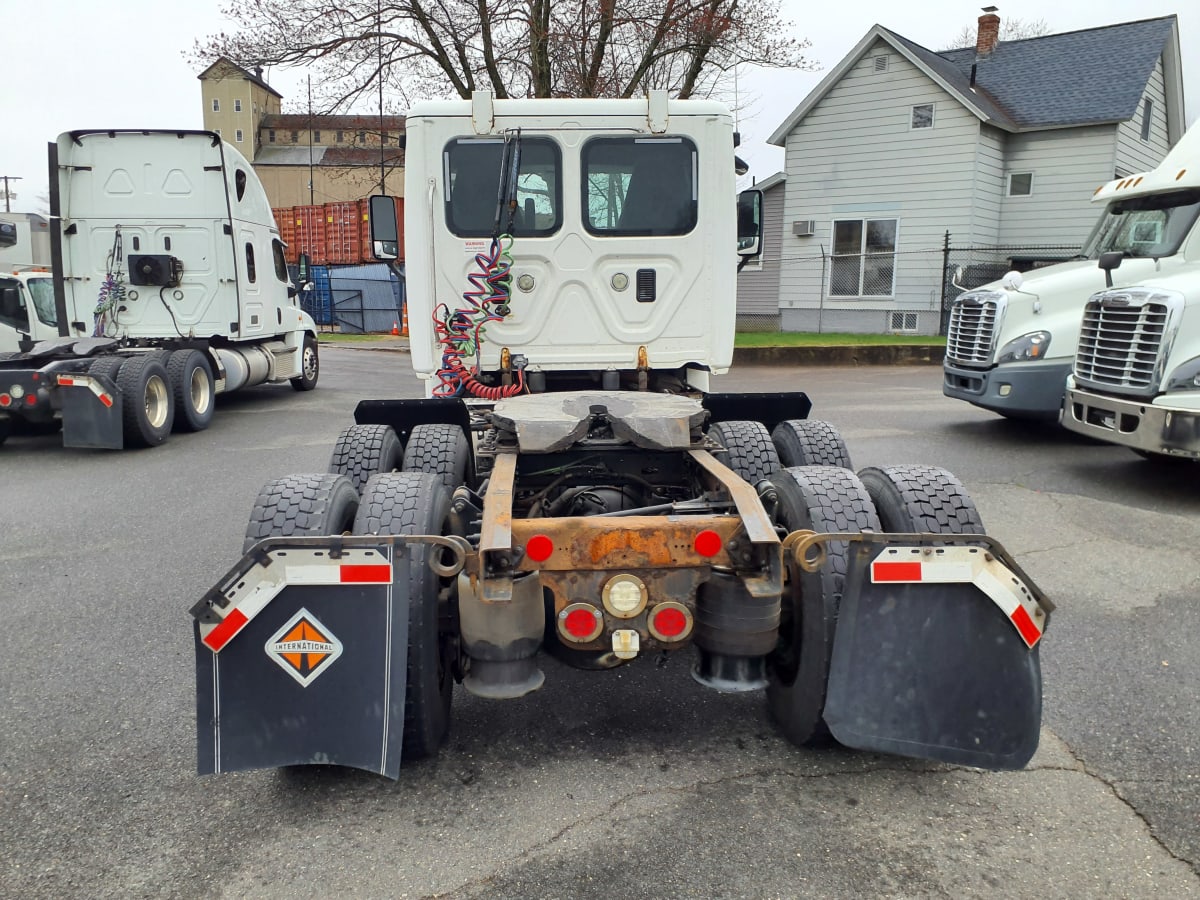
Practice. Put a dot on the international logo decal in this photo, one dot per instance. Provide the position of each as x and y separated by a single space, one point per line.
304 648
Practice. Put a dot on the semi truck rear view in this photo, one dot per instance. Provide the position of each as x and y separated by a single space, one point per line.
572 486
169 288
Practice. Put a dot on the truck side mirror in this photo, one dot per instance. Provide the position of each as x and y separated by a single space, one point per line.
302 267
385 231
1109 261
749 224
8 235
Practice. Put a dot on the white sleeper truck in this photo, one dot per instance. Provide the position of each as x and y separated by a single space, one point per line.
168 288
572 486
1011 344
1136 374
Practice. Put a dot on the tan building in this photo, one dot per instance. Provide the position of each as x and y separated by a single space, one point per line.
302 159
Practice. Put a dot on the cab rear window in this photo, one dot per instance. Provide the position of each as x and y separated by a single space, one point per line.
639 186
472 187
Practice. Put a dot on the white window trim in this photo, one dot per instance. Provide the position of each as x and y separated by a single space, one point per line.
237 105
753 265
1147 125
1008 182
237 135
891 295
912 114
216 104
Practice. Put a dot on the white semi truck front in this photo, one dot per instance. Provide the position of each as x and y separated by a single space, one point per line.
1136 374
1011 344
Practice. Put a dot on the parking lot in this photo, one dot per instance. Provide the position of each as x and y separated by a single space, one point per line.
635 782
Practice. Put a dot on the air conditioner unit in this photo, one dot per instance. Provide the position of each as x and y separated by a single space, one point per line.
804 227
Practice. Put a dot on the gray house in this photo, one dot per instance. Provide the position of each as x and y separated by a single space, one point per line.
758 280
1000 144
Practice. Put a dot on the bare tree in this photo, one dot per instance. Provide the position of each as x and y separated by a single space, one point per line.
515 48
1010 30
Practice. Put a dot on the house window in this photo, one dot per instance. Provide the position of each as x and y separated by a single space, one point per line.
383 138
864 258
362 138
295 137
1020 184
237 105
922 116
316 137
340 136
216 105
881 63
271 136
1147 112
237 135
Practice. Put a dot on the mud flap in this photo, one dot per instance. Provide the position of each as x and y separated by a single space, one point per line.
305 661
92 412
936 670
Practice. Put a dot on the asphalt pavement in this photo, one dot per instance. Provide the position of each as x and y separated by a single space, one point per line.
635 782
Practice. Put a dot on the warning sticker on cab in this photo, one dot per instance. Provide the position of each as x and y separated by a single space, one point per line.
304 648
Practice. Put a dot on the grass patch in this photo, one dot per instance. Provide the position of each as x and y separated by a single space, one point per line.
810 339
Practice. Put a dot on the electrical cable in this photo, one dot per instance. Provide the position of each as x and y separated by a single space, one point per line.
112 289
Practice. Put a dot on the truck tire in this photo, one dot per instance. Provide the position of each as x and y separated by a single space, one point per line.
417 503
302 506
192 384
149 410
817 498
108 366
810 442
310 365
365 450
441 450
750 451
921 499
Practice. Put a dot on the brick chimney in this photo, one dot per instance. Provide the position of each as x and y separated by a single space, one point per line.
989 31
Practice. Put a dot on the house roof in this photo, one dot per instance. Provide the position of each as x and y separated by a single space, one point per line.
771 181
326 156
1059 80
226 62
302 121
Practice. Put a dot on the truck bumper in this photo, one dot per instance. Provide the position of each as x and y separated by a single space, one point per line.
1140 426
1020 390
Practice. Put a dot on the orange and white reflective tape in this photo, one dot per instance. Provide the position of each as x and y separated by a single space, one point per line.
262 582
965 565
89 382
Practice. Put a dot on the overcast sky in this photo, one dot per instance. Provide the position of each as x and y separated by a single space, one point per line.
74 64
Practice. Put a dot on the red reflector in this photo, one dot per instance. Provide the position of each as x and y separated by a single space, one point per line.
708 543
31 399
230 625
670 622
5 401
106 399
580 623
896 571
65 381
1028 630
366 574
538 548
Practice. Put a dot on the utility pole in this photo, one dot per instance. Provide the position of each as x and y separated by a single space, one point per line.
379 52
7 195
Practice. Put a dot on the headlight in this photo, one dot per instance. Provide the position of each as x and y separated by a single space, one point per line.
1185 377
1028 346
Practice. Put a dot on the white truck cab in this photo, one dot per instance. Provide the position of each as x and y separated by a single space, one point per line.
27 308
612 275
1010 344
1136 374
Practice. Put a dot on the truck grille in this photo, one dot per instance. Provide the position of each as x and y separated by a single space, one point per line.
1121 341
971 334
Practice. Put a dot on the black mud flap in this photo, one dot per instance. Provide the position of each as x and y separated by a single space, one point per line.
301 658
92 413
936 671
